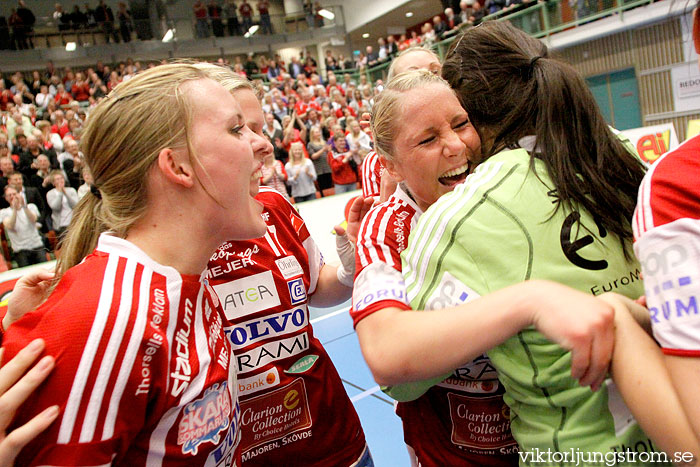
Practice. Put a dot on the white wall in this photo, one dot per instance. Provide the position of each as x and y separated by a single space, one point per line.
360 12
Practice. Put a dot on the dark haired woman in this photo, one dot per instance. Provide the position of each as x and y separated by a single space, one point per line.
551 199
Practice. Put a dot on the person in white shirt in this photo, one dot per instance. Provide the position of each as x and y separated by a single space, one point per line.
61 200
43 97
301 174
359 142
89 182
19 221
71 150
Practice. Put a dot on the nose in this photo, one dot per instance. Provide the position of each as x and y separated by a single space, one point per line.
453 145
261 146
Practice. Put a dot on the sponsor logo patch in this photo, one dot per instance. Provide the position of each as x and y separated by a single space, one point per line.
274 416
248 295
376 283
450 292
265 380
480 423
297 291
289 267
297 221
255 330
271 351
204 418
302 365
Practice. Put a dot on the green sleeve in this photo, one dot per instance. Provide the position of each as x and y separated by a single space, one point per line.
449 291
411 391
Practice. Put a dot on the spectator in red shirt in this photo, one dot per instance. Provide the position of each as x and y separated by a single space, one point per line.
5 96
291 134
246 12
200 14
60 124
264 10
113 80
305 104
80 89
344 177
333 84
63 97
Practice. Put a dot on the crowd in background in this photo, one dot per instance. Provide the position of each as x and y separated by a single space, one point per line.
41 167
312 123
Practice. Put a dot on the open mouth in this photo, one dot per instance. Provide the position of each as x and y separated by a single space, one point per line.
454 176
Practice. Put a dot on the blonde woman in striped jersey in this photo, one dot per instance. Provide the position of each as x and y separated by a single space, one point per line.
143 369
428 154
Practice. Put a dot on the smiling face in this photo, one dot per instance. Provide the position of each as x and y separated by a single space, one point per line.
253 114
224 164
433 144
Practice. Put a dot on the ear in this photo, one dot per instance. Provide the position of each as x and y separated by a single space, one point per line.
390 167
175 167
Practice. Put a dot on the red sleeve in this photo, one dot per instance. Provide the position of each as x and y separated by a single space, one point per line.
378 280
670 189
371 175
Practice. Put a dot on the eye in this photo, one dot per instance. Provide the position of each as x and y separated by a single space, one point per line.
463 124
427 140
236 130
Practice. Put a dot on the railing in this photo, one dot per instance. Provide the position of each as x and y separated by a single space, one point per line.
48 32
537 18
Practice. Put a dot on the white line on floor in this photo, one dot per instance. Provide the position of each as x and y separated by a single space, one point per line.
364 394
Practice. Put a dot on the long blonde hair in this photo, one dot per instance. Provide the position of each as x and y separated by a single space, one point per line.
387 108
121 141
294 159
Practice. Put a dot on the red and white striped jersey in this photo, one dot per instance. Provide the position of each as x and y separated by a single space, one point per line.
143 373
292 398
371 175
383 236
667 242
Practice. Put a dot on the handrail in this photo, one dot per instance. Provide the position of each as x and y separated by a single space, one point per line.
538 19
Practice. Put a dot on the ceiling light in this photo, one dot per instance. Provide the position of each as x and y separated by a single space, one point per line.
409 14
253 29
70 46
329 15
365 35
169 35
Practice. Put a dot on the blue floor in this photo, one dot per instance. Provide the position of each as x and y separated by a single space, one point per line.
382 427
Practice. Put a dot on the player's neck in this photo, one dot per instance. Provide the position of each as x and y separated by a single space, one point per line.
177 240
